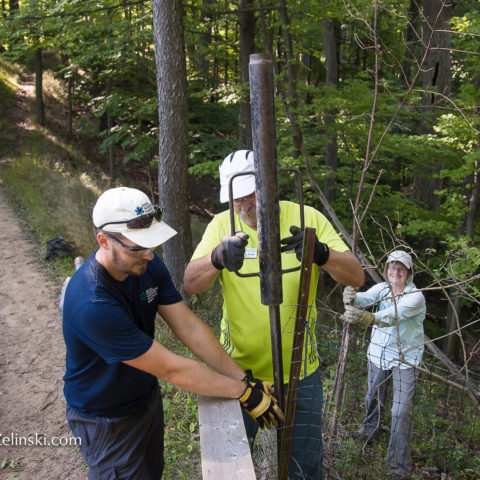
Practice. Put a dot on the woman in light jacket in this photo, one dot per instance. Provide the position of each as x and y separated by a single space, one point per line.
396 346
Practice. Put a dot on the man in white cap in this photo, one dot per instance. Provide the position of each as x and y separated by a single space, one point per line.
113 398
245 329
396 346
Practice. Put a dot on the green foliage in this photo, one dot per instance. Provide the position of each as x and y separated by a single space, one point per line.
52 202
182 439
13 464
447 433
213 129
115 74
8 86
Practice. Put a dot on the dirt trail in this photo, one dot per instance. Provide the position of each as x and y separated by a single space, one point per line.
32 356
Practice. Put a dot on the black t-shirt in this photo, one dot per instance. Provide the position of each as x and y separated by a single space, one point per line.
106 321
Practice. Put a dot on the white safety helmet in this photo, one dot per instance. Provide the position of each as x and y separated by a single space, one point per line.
402 257
240 161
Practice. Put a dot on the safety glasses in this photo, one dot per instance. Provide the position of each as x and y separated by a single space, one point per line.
143 221
127 247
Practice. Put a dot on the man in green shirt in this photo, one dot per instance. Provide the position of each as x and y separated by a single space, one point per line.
245 328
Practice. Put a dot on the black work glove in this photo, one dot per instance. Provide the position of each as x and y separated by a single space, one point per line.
229 253
261 406
321 252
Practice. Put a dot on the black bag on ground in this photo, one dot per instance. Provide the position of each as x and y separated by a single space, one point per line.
57 248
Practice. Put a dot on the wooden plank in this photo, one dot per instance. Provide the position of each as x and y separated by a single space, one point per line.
223 440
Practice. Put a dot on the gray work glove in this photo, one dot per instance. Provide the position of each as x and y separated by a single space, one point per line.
349 294
321 252
230 252
357 315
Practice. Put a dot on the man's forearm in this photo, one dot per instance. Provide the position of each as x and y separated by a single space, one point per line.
199 339
186 373
345 268
199 275
203 343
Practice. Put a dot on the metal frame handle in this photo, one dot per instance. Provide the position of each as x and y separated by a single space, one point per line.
299 194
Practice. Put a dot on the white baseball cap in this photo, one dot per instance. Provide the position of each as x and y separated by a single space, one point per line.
237 162
402 257
129 211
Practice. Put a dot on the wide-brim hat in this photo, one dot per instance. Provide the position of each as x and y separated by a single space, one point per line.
118 206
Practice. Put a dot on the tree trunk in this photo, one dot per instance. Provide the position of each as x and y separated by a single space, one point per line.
475 181
436 77
111 160
173 133
3 14
412 37
247 46
291 75
473 203
452 343
13 5
39 86
70 105
436 40
204 41
331 79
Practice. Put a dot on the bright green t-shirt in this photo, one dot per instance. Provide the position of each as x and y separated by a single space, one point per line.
245 328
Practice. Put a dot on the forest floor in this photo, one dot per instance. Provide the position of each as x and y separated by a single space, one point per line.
32 352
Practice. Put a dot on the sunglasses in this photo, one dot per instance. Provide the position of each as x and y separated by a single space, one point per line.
127 247
143 221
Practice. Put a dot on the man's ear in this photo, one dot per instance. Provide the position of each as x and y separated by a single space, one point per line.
102 240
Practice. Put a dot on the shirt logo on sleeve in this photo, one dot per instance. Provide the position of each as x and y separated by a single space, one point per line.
149 295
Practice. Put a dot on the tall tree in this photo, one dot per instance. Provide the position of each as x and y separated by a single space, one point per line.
331 79
412 37
13 4
39 86
474 180
436 85
247 46
173 132
291 66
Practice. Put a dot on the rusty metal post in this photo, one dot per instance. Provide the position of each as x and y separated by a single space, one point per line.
268 210
301 319
266 178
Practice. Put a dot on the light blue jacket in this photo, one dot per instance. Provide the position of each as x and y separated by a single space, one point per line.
405 319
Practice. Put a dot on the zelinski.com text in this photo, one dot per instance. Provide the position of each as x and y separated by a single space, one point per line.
37 440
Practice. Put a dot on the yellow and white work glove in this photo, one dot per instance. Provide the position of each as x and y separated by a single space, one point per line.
266 387
357 315
260 403
349 294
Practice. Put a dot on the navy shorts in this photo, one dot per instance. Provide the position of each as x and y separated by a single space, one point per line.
128 447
